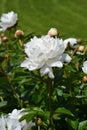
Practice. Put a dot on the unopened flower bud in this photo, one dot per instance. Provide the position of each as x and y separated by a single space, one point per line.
2 35
39 121
19 33
53 32
81 48
79 40
6 56
85 78
4 39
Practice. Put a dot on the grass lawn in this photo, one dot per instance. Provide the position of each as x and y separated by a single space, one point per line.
68 16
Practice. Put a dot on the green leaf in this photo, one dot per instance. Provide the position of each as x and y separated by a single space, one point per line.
56 116
83 125
70 68
62 110
3 103
72 123
29 116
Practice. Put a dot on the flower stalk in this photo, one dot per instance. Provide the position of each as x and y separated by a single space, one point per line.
50 90
11 85
38 127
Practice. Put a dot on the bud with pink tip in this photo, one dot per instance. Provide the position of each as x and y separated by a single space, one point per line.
85 78
19 33
53 32
6 56
2 35
81 48
4 38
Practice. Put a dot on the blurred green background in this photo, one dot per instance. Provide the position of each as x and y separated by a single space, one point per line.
38 16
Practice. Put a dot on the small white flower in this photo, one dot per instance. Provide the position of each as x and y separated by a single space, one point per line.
8 20
44 53
6 123
71 41
84 67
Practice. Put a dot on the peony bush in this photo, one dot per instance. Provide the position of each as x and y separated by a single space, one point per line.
43 79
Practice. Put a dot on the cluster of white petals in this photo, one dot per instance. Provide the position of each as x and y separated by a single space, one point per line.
44 53
8 20
11 121
17 114
84 67
6 123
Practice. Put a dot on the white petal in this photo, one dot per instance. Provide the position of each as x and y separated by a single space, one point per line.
25 63
54 63
85 63
80 53
84 70
72 42
44 70
51 75
65 58
13 124
65 43
47 70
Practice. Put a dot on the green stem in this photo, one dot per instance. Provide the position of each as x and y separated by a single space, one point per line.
50 89
21 43
74 52
11 85
15 94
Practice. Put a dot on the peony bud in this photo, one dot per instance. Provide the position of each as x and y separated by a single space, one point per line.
19 33
79 40
2 35
6 56
81 48
53 32
85 78
4 39
39 121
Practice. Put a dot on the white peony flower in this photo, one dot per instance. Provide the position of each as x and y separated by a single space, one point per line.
17 114
44 53
84 67
6 123
8 20
71 41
